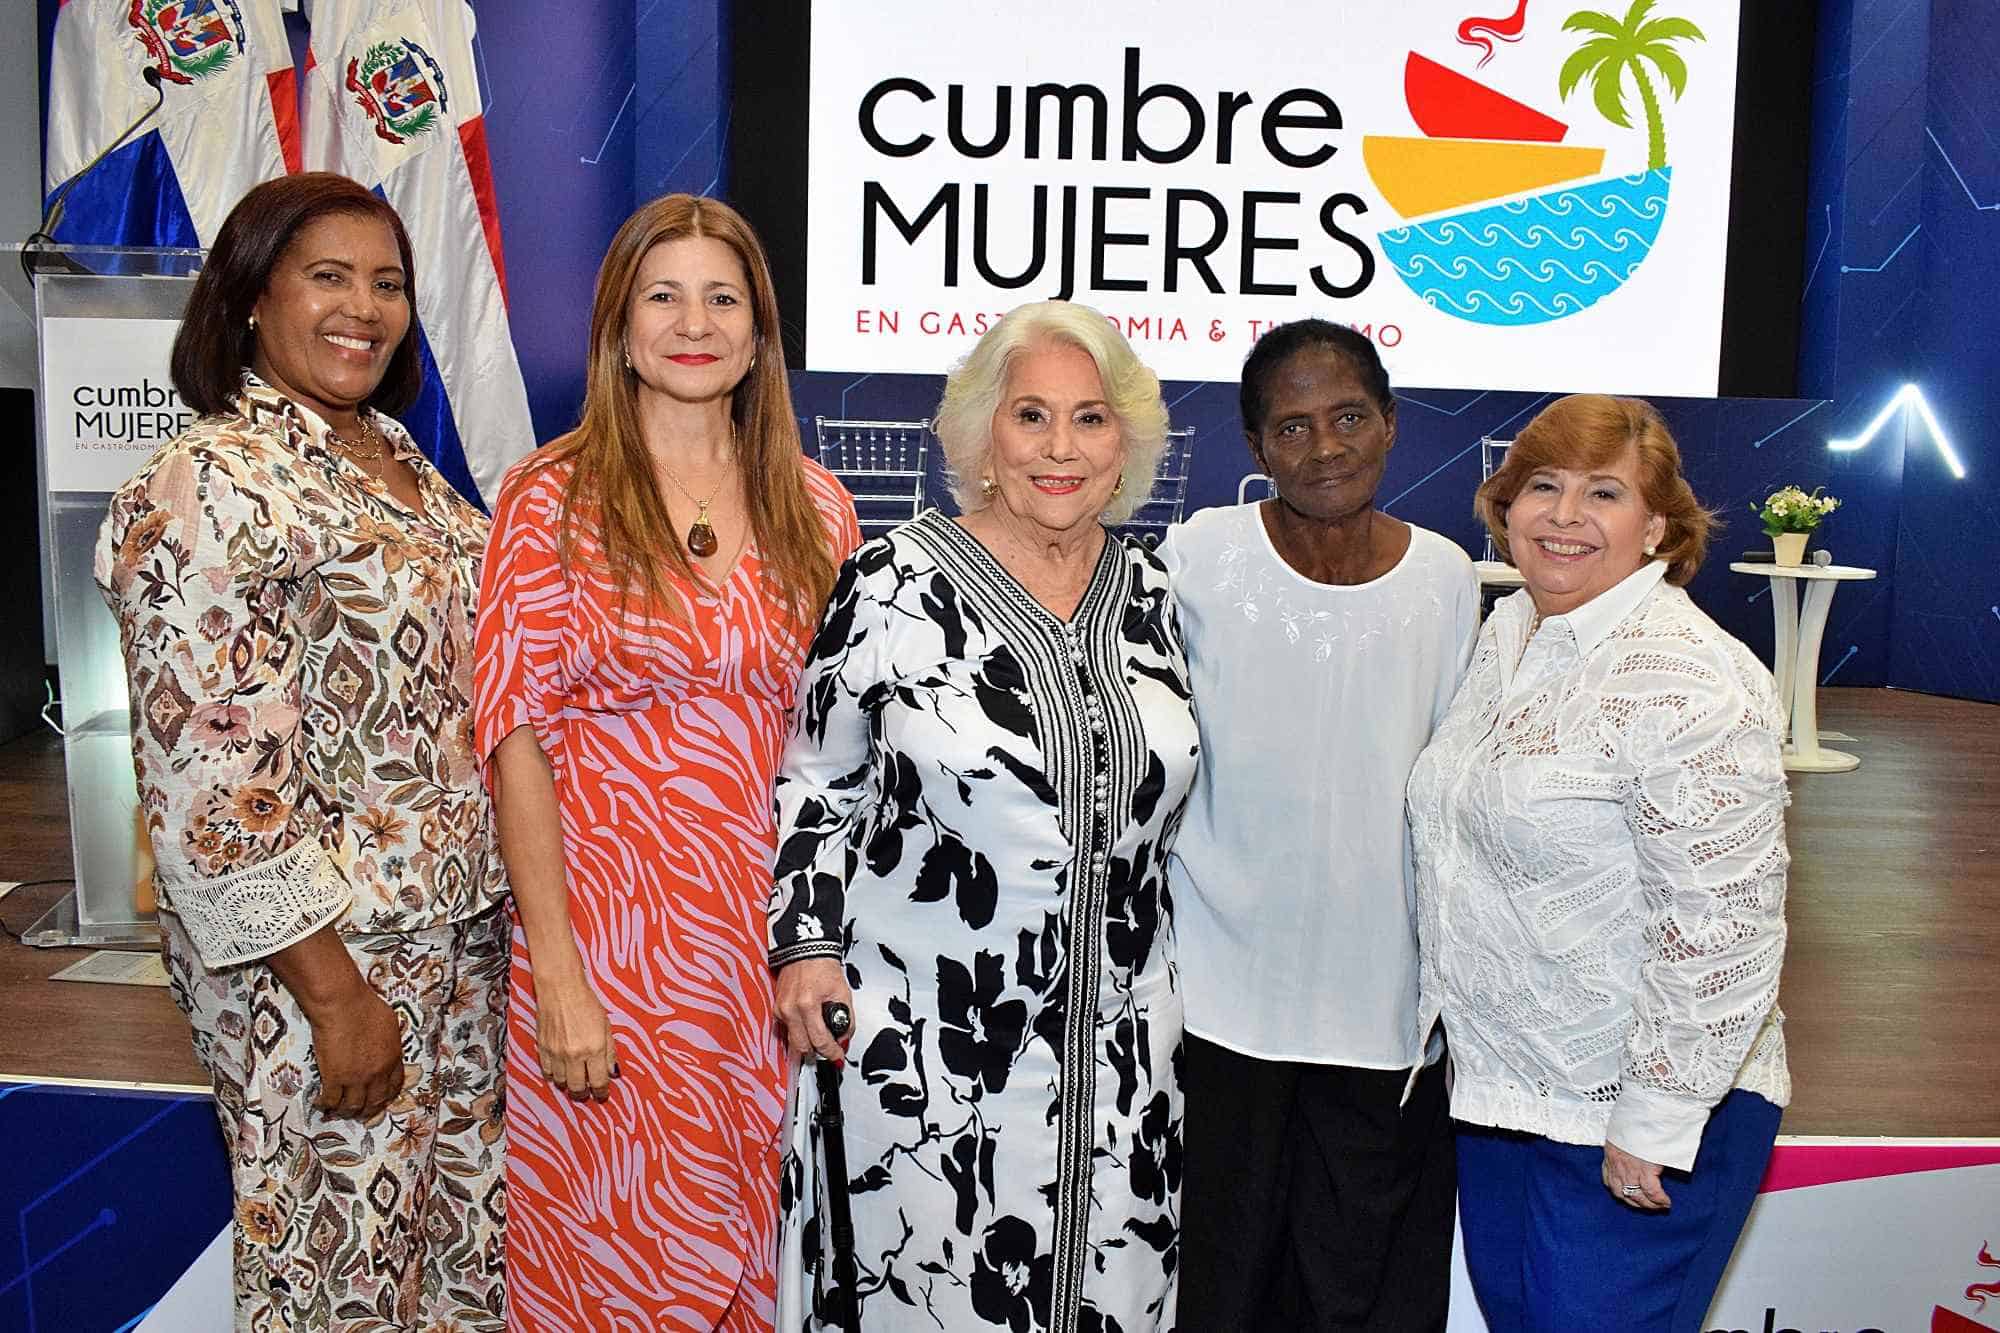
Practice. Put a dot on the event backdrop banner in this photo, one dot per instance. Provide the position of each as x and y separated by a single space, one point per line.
1521 194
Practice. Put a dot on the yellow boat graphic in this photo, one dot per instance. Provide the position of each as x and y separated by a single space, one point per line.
1419 175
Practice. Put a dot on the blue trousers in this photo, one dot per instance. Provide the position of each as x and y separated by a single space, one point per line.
1548 1248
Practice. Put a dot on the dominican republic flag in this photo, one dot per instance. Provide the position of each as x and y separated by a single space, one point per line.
229 118
391 99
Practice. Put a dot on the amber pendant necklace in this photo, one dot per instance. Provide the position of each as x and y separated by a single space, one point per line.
701 542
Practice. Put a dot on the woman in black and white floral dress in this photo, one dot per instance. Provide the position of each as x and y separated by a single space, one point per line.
993 746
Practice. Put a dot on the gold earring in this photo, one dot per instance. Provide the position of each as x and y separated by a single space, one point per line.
988 487
1118 487
628 360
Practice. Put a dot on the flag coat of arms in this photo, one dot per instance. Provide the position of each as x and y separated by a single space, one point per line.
228 116
392 100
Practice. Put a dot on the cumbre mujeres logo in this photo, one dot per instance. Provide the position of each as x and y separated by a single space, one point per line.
1543 253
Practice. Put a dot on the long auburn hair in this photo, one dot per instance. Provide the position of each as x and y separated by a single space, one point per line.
613 485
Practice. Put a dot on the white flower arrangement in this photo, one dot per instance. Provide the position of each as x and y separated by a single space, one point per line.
1794 510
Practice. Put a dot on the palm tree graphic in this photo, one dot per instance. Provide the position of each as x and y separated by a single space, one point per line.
1629 45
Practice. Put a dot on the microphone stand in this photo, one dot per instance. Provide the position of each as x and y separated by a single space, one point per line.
52 218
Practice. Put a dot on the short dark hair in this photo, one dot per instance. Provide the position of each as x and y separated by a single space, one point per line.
1278 346
215 341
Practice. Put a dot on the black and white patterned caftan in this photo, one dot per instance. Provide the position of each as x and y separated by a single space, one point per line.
975 811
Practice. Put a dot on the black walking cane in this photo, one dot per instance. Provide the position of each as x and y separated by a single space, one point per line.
833 1146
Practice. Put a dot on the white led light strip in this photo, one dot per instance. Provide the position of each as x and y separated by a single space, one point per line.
1909 396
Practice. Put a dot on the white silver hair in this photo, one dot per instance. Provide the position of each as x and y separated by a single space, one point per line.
972 393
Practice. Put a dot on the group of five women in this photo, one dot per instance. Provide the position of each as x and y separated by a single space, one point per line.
1210 917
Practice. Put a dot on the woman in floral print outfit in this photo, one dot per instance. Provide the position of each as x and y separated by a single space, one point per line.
294 586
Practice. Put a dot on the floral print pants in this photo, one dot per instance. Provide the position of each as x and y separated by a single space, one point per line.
392 1224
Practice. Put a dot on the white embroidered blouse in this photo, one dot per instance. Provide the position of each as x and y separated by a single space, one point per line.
1294 898
1599 828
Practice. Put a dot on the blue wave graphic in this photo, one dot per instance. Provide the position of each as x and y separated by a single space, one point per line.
1535 259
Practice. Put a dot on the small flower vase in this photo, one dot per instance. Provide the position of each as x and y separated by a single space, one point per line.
1790 547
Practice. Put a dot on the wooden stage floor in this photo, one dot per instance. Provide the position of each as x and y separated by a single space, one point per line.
1891 988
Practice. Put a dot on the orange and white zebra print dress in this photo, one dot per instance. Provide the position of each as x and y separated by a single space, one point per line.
656 1209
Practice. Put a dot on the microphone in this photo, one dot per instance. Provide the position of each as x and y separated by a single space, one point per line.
53 217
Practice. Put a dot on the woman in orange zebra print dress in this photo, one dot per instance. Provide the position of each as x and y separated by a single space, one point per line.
652 582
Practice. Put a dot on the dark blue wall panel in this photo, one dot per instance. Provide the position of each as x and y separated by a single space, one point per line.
560 87
107 1199
1945 633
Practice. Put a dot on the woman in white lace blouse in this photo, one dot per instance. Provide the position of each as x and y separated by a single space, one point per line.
1599 827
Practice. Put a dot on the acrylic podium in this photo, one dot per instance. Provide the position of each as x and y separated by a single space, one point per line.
105 318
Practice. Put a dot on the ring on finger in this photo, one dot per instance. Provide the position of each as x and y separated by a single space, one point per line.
1630 1191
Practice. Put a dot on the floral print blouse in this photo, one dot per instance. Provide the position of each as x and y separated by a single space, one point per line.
299 650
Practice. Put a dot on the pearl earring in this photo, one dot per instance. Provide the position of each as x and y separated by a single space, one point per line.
253 323
1650 548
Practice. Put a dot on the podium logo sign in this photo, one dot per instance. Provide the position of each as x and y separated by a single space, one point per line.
107 401
1484 195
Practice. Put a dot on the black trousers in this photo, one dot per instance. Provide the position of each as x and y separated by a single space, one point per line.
1312 1199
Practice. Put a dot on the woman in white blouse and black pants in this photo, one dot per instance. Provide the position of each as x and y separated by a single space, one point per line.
1324 642
1599 825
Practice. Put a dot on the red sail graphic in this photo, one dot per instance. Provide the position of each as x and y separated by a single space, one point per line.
1447 105
1945 1321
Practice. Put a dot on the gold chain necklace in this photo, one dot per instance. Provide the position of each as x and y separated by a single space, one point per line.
701 541
353 447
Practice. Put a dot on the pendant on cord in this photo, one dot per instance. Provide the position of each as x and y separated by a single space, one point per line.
700 536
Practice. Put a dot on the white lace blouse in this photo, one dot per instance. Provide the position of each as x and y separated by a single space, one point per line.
1599 828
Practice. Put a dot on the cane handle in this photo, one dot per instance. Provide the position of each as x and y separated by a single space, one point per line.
837 1018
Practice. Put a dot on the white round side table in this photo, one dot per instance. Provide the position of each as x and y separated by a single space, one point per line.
1795 654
